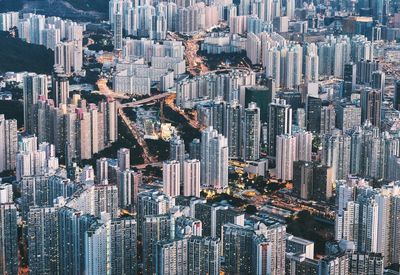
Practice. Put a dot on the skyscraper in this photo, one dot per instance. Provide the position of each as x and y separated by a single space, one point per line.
238 258
311 73
96 250
219 162
328 119
9 239
195 149
348 116
34 87
203 255
60 87
251 132
123 245
214 159
323 180
191 178
285 156
8 143
153 203
117 29
396 98
280 123
313 114
177 151
254 250
123 159
234 113
261 95
303 145
303 179
110 247
171 257
350 78
155 228
128 188
337 154
378 80
371 101
42 239
109 110
172 178
72 227
102 171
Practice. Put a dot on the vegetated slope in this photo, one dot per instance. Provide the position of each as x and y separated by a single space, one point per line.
10 5
90 5
17 55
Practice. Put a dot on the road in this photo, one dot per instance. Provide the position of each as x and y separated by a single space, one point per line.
106 91
170 102
195 63
146 100
147 157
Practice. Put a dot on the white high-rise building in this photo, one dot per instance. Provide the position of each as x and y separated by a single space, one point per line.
8 20
110 247
128 188
172 178
96 250
69 56
6 193
219 162
272 64
253 48
191 178
206 156
290 8
303 145
285 155
292 71
333 54
311 73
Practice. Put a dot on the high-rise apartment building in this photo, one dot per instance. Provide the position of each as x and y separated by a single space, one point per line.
234 114
172 178
102 171
251 132
285 156
214 159
9 239
8 143
34 86
191 178
124 160
155 228
42 238
280 123
203 255
171 257
371 101
117 30
128 188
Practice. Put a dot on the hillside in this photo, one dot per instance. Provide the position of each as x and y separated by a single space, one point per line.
17 55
